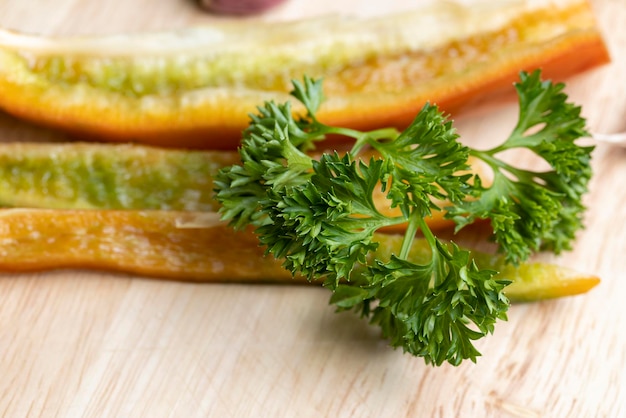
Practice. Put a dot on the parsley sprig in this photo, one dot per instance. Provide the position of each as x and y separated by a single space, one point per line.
318 213
535 210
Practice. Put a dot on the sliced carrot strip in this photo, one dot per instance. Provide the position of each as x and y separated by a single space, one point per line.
107 176
166 244
196 89
125 176
196 246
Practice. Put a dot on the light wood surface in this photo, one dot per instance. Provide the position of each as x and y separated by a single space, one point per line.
91 344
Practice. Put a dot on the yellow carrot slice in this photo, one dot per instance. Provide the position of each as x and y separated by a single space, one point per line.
168 244
196 246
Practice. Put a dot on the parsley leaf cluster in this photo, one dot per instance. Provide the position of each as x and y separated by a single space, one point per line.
316 211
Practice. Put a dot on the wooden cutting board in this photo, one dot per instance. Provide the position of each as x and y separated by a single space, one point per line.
93 344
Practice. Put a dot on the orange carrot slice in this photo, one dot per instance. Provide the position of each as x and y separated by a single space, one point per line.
195 88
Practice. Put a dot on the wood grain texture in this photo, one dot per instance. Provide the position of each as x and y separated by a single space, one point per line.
87 344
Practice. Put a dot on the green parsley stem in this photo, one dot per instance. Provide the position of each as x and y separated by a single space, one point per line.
362 139
416 222
488 157
500 166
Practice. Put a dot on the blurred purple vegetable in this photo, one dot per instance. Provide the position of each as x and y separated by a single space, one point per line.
240 7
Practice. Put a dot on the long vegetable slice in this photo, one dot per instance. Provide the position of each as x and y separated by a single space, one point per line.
122 176
196 246
100 176
195 88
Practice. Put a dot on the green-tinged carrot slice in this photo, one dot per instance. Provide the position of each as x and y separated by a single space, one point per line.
123 176
533 281
95 176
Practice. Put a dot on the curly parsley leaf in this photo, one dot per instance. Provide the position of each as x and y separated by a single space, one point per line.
272 154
